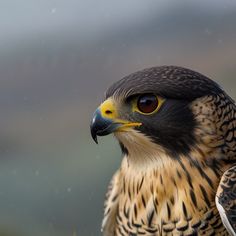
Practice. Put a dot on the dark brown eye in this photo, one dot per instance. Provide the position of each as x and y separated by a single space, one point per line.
147 103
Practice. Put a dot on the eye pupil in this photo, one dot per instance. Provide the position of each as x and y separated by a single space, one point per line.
147 103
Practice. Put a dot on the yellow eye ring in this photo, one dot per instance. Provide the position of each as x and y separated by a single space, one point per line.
147 104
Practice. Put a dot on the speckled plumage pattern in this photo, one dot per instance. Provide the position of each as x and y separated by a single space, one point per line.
157 191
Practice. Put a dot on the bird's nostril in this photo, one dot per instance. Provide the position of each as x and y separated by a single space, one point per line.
108 112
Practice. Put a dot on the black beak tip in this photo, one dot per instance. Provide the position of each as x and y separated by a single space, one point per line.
101 126
93 133
94 136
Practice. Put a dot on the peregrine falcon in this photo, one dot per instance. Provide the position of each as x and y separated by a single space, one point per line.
177 132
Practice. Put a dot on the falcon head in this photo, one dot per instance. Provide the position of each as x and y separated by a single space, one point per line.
168 108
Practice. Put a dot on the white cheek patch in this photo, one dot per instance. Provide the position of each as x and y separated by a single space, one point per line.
141 149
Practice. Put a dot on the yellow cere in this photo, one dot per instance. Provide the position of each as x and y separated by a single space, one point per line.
109 111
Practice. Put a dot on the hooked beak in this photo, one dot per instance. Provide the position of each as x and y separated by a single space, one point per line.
105 121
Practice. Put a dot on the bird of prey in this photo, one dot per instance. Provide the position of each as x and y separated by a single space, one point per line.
177 132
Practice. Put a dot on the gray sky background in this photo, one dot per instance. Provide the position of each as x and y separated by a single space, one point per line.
23 19
57 57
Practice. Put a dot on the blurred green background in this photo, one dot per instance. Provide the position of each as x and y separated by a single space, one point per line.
57 57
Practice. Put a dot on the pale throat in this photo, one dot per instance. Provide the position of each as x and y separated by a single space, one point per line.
142 152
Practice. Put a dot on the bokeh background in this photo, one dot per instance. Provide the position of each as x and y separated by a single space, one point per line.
57 57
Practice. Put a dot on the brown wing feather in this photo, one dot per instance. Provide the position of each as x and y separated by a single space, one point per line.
226 200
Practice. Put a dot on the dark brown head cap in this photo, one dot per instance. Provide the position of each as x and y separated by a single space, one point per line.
167 81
